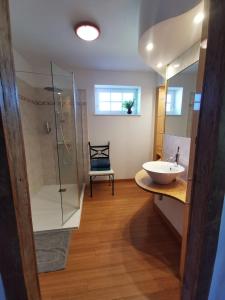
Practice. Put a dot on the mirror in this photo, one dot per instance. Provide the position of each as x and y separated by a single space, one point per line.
179 102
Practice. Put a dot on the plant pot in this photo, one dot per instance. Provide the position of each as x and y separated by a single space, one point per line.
129 111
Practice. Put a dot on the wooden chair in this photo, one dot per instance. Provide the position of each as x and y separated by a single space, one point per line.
100 164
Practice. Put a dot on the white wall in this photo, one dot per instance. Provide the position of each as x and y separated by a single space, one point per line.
172 209
22 66
131 137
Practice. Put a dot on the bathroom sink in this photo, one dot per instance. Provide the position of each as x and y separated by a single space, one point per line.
163 172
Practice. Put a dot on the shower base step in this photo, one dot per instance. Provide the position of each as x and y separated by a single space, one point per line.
52 249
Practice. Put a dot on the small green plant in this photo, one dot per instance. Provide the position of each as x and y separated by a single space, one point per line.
128 104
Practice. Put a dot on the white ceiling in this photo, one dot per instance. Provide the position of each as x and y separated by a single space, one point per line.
42 31
156 11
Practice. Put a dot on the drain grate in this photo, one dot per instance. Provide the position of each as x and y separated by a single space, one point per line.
62 190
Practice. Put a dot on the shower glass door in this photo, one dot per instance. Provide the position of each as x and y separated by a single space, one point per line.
37 112
65 120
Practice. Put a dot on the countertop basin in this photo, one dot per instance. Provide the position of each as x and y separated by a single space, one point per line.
163 172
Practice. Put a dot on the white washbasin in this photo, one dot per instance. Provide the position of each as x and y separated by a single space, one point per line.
163 172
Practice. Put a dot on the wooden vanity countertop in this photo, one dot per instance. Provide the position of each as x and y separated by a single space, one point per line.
177 189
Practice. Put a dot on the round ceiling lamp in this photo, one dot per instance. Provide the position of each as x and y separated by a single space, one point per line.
87 31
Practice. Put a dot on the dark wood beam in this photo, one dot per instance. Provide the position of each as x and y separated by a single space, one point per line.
17 254
209 170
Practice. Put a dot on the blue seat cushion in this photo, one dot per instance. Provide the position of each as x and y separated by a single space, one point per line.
100 164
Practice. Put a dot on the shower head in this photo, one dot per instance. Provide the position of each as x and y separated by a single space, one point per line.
53 89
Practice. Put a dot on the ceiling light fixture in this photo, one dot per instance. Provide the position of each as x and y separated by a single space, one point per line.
149 47
87 31
169 71
176 66
204 44
199 18
159 65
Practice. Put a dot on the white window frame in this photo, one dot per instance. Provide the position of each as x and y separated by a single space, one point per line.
121 89
176 97
197 101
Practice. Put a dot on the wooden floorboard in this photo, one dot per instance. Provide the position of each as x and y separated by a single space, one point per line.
121 251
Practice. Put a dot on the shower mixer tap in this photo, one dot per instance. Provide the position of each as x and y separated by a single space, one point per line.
47 127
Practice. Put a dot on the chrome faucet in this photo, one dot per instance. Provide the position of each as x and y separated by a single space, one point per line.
177 156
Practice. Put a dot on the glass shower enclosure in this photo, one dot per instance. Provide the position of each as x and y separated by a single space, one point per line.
53 140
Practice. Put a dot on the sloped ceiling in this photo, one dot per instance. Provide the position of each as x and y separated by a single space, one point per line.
156 11
170 38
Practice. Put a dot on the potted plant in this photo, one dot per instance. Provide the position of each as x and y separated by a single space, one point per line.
128 105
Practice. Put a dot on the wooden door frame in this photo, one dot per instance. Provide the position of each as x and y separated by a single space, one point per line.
209 169
194 129
17 253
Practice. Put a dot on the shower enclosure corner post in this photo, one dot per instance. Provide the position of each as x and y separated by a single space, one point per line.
57 135
75 103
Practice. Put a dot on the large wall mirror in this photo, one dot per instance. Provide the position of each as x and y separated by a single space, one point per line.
179 102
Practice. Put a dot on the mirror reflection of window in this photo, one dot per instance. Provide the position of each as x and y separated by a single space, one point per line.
174 101
181 102
197 101
169 103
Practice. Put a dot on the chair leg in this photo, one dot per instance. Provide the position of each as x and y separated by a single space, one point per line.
91 186
113 185
109 179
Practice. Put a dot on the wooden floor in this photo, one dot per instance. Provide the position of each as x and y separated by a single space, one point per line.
121 251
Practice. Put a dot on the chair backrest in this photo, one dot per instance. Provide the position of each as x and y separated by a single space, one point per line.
99 157
98 151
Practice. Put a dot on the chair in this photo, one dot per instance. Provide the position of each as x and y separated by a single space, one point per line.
100 164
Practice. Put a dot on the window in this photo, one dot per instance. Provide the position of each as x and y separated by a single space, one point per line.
174 101
109 99
197 101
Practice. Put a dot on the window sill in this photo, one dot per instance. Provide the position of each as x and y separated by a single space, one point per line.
174 115
117 115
